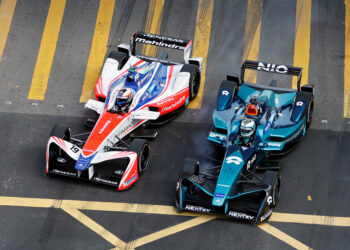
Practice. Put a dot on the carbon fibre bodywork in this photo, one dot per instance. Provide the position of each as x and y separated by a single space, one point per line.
246 185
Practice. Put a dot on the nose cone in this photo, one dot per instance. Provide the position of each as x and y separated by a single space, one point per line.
219 199
83 162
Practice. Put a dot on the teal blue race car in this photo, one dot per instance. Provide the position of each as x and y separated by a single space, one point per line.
251 123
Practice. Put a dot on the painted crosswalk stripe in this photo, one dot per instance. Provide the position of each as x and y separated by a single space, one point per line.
347 61
7 8
47 50
302 39
153 24
201 43
94 226
252 36
98 48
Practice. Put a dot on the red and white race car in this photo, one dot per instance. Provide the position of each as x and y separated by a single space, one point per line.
132 90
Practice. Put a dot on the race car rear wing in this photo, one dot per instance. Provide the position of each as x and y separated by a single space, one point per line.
161 41
272 68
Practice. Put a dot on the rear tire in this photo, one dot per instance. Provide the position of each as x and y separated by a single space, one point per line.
121 57
142 148
310 109
195 79
273 178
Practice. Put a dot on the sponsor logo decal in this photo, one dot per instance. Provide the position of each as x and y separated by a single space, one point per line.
251 161
61 160
161 44
240 215
104 126
269 200
63 172
197 209
119 172
219 195
128 127
300 103
282 69
105 181
267 126
218 136
225 92
274 144
175 104
234 159
129 181
197 179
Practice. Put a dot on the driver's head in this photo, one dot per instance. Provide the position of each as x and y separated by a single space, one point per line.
124 97
247 128
132 75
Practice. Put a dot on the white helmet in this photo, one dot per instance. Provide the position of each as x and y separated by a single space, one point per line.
247 127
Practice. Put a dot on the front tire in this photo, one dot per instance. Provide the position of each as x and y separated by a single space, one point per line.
60 131
142 148
273 178
190 167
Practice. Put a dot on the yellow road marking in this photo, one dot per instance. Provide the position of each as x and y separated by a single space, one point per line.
201 43
7 8
91 205
302 39
97 228
153 24
98 48
158 209
347 61
282 236
170 230
252 36
72 207
311 219
47 50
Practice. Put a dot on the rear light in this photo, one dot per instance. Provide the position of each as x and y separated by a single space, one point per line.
252 110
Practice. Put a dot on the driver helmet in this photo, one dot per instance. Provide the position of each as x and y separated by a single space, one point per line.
124 97
132 76
247 128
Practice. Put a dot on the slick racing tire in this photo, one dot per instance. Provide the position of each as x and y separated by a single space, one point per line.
195 79
274 179
60 131
310 109
142 148
189 168
121 57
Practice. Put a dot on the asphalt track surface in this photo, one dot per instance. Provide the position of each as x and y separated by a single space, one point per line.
315 175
